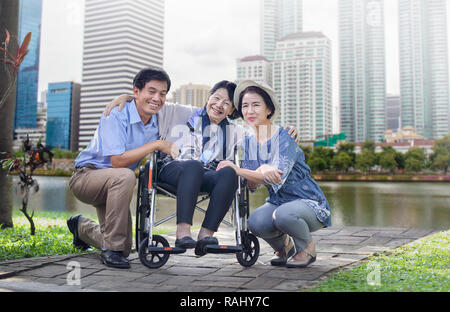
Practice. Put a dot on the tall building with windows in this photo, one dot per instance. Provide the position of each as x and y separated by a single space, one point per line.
424 73
63 110
30 12
256 68
121 37
303 83
192 94
362 69
279 18
393 112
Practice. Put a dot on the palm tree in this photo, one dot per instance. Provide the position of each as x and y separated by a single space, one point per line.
9 16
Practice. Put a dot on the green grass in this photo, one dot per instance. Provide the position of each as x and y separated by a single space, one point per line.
52 236
421 266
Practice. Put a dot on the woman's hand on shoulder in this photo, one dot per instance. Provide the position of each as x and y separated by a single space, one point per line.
118 101
271 174
293 132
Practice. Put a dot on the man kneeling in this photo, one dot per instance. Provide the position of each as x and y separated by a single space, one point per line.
104 171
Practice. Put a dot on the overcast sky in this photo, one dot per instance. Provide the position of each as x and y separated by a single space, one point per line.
203 39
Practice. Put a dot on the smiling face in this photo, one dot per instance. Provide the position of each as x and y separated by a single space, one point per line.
219 106
254 110
150 99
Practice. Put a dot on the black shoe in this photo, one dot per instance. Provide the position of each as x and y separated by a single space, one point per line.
72 224
185 242
200 248
114 259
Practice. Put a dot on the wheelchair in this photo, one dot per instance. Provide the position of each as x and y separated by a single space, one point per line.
154 250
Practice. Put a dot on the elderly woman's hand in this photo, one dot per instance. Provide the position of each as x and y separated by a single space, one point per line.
227 163
271 174
293 131
118 101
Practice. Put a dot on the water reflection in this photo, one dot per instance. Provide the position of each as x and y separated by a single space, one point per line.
419 205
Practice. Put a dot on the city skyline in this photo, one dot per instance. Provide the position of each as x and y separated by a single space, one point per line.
197 39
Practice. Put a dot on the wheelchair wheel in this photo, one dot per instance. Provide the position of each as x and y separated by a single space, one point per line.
250 252
153 260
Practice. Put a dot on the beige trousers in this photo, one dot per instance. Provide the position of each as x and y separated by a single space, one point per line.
110 191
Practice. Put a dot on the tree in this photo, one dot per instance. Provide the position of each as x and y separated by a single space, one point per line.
317 164
400 160
307 151
349 149
387 158
440 157
368 145
324 153
441 162
9 13
341 161
415 159
413 164
365 160
387 161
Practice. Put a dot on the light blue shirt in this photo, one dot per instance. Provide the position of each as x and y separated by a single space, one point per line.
117 133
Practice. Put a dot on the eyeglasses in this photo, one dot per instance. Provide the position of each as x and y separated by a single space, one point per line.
225 103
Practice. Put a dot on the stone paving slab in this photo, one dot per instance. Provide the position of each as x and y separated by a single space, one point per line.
337 247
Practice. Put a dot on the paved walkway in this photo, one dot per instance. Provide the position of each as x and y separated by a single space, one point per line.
336 247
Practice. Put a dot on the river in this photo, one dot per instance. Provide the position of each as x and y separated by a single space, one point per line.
378 204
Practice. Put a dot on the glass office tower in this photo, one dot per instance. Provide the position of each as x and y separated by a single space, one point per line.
424 67
362 69
63 107
279 19
27 82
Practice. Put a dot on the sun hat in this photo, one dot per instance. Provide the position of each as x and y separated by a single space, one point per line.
250 83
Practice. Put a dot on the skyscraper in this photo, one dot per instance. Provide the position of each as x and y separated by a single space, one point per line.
279 18
393 110
424 73
30 12
362 69
256 68
63 110
302 81
121 37
192 94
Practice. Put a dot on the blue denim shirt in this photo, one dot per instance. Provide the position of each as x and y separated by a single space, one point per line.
282 152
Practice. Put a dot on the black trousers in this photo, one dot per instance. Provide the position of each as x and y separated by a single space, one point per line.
190 178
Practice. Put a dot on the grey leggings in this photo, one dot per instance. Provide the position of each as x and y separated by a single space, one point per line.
295 218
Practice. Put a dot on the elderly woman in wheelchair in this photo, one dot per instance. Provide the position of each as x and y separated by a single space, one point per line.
207 138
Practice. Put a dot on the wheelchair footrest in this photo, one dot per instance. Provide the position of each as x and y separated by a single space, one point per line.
219 249
166 250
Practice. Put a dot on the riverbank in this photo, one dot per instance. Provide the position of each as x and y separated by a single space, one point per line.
328 177
400 177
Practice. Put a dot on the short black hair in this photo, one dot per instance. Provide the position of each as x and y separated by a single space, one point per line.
151 73
263 94
230 87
